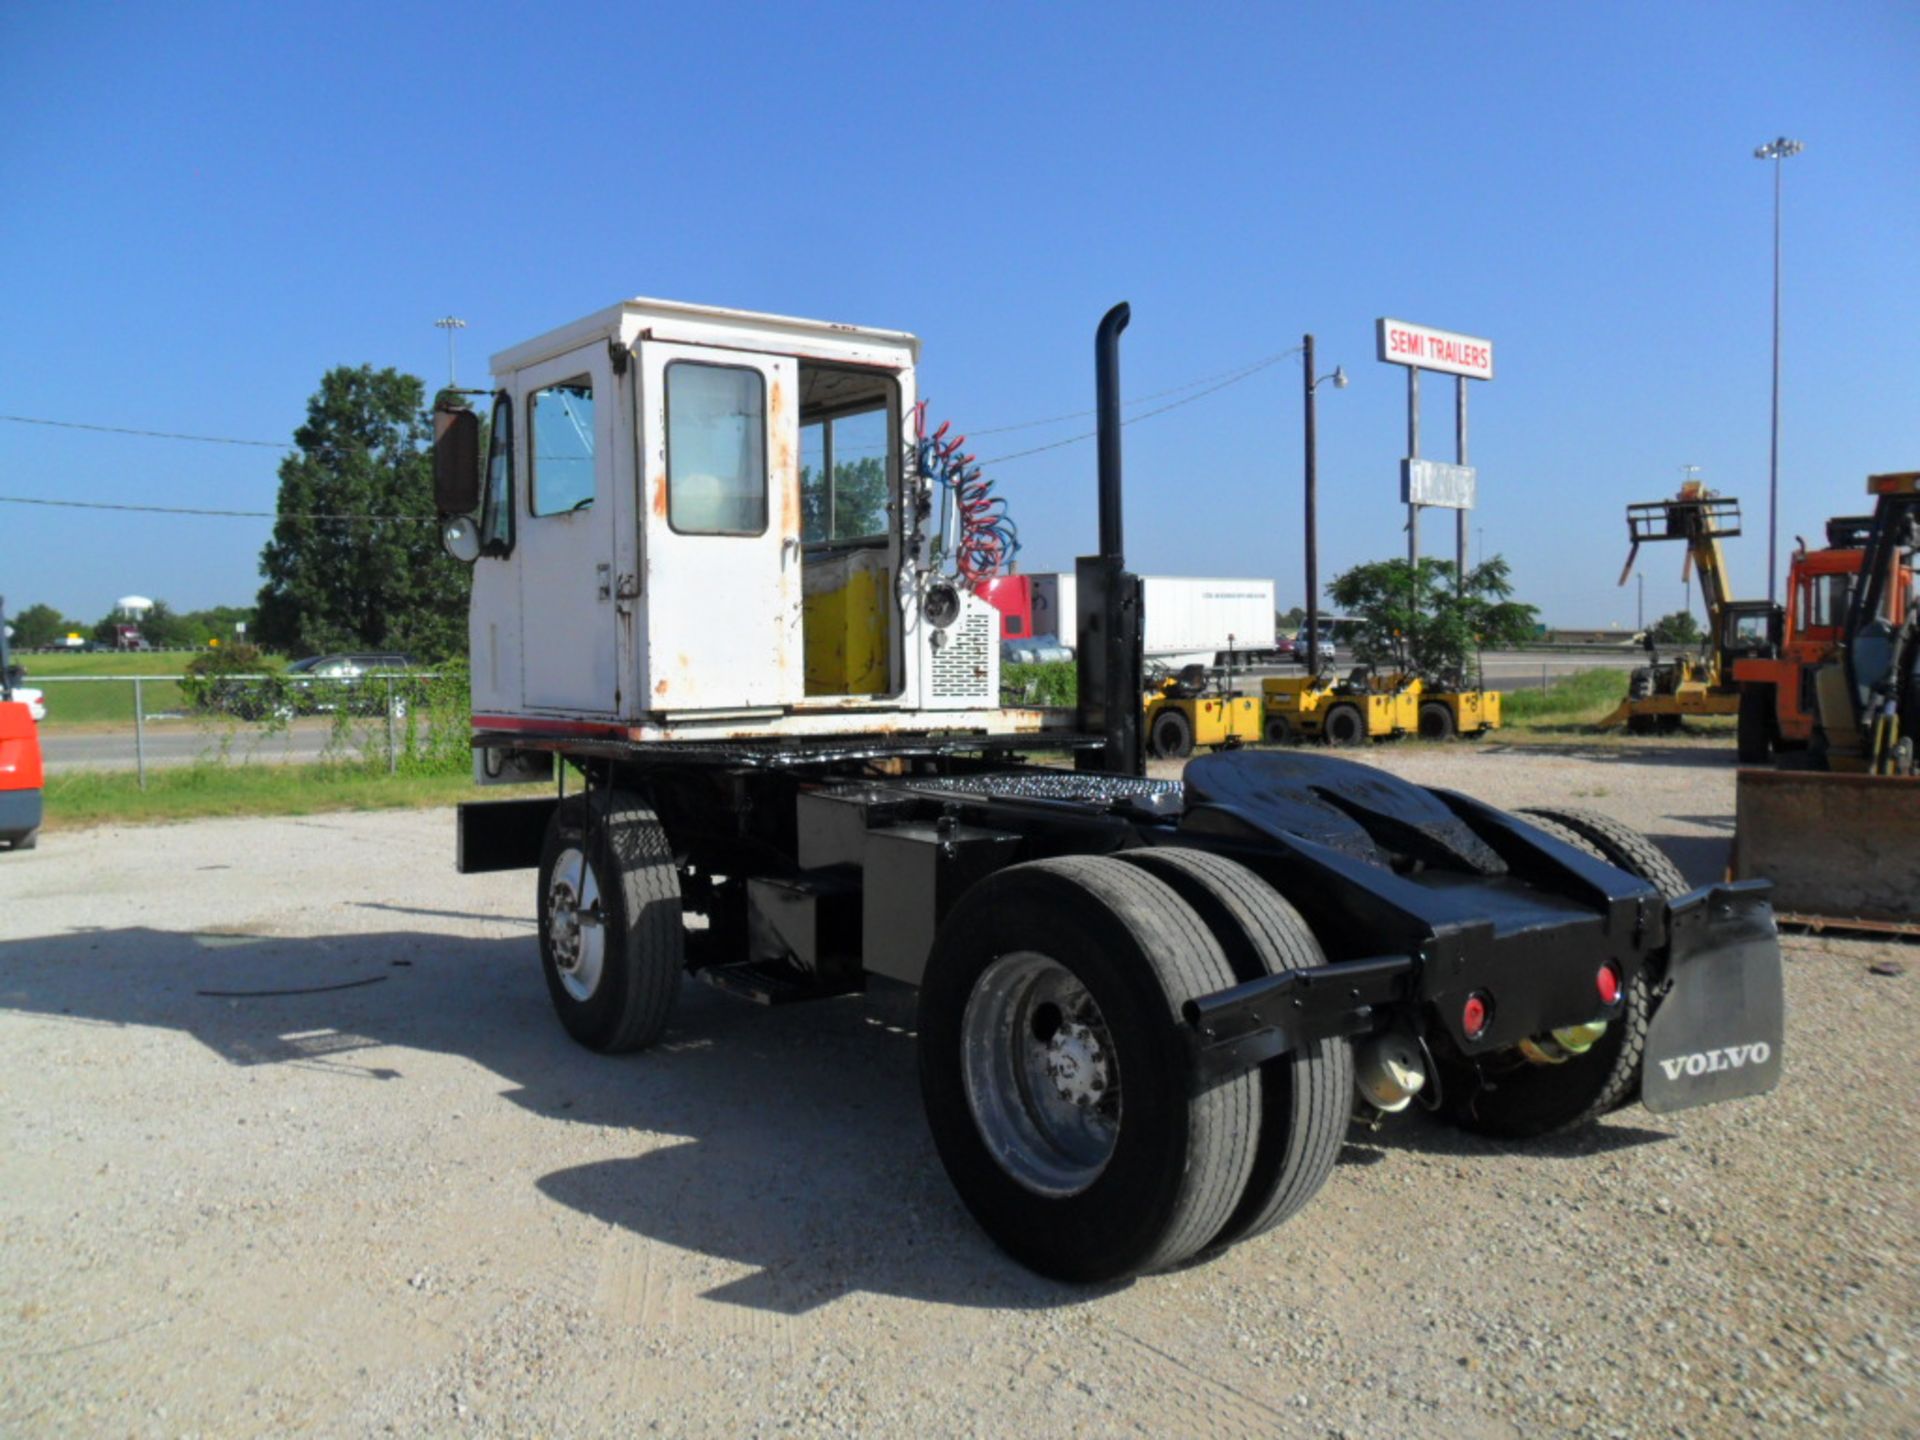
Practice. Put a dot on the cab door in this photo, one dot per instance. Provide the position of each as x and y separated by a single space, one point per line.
721 482
566 544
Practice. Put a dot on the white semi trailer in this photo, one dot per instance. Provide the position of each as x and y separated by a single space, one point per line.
1187 619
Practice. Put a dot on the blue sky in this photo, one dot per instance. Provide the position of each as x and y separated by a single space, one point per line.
205 207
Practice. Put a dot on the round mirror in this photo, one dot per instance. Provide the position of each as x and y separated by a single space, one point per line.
462 539
942 604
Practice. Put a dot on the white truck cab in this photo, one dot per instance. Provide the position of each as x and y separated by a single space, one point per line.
699 523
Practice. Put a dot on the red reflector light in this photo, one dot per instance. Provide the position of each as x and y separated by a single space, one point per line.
1474 1016
1609 982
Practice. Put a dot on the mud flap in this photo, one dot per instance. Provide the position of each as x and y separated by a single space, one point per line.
1720 1030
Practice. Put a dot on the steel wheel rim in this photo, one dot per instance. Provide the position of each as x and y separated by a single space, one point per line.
1041 1073
575 935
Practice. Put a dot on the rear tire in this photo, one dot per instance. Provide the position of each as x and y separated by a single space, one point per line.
1306 1097
1279 730
1344 726
1510 1097
1056 1080
1171 736
1619 845
611 939
1756 724
1436 721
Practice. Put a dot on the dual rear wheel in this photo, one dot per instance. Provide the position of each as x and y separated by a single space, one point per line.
1054 1063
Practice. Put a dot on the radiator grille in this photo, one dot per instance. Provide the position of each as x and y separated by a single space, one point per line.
963 667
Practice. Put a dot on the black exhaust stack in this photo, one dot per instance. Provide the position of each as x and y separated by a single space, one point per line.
1108 649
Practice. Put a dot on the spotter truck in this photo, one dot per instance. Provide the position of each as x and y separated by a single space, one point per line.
1148 1008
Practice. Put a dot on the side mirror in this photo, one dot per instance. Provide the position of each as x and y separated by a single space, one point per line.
456 461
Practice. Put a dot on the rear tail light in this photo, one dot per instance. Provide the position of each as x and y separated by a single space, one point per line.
1475 1014
1608 982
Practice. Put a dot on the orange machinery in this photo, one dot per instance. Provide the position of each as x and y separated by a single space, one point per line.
1778 707
21 779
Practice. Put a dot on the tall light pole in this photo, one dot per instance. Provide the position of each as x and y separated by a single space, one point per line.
1310 383
450 323
1776 151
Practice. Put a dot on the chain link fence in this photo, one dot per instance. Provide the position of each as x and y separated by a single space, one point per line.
408 722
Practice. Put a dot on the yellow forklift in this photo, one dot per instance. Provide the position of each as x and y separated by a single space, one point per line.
1367 705
1662 694
1195 706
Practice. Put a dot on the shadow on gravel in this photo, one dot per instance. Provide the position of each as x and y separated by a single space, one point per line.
1703 859
1652 752
788 1140
1423 1133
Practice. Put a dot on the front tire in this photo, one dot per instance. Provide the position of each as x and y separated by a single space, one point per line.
1171 735
1436 721
1054 1070
1344 726
1279 730
611 940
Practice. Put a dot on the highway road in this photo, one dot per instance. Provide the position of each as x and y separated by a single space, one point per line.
181 741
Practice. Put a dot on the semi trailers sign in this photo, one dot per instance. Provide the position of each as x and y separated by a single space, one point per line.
1427 349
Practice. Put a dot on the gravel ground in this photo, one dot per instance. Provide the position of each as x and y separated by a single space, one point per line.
411 1206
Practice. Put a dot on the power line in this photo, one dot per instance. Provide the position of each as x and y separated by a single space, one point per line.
1233 378
1213 384
225 514
1236 374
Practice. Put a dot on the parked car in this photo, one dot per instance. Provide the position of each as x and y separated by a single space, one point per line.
34 700
321 684
1040 650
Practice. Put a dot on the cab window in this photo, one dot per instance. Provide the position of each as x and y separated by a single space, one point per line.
496 506
560 447
716 449
844 482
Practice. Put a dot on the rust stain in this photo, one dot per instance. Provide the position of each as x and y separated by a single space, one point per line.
660 687
660 496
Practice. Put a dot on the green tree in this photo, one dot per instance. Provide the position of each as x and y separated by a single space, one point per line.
356 582
1679 628
216 622
1288 622
37 626
1435 637
859 499
165 630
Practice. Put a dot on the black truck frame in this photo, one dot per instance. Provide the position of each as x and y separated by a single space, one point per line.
1149 1008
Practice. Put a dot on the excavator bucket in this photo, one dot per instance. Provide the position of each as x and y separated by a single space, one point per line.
1841 850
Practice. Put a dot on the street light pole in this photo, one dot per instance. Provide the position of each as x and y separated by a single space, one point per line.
1309 384
1776 151
450 323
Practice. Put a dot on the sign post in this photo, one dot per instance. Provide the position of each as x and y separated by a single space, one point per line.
1430 482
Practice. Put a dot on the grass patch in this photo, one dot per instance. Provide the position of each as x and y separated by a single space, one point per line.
82 798
1572 699
99 702
1056 683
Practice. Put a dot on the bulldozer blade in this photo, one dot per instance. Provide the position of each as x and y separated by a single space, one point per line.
1838 848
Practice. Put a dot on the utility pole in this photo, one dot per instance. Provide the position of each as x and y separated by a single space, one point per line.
1313 498
1310 383
1641 622
450 323
1460 516
1776 151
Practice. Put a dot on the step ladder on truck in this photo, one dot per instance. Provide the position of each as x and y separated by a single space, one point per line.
1147 1008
